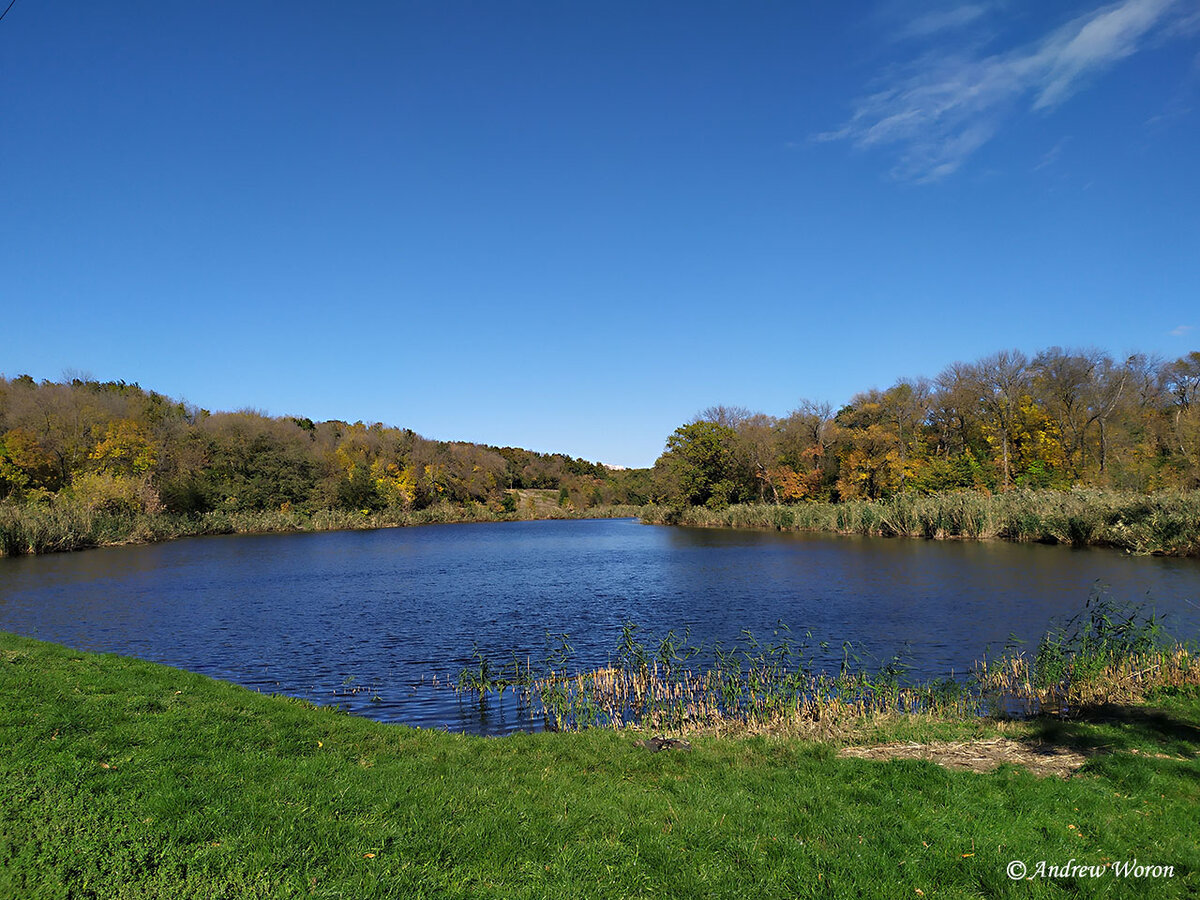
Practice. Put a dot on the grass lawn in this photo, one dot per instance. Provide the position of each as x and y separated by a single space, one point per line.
122 778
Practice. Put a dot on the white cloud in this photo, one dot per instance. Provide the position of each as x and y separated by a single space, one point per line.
1180 330
943 20
903 20
1092 43
943 108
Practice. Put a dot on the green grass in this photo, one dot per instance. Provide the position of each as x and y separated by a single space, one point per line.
1162 523
64 525
127 779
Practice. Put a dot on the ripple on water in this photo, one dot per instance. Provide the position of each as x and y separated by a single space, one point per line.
392 610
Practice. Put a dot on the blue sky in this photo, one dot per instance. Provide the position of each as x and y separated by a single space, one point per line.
570 226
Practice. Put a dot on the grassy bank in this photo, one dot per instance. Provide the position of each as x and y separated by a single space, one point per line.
1165 522
63 525
128 779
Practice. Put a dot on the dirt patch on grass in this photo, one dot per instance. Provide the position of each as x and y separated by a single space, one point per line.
1043 760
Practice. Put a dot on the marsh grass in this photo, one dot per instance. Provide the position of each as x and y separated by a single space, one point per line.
1162 523
747 687
64 525
1106 654
1103 655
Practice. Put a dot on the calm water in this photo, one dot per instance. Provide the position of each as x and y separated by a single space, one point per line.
386 612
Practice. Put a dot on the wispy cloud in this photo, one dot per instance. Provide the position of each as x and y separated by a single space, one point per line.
941 20
942 108
904 20
1052 154
1180 330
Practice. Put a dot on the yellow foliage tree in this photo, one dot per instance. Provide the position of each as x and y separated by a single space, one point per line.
1037 443
25 464
397 486
126 449
872 463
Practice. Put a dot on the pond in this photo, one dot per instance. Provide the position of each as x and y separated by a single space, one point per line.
370 620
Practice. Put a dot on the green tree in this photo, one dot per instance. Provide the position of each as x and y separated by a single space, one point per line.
700 458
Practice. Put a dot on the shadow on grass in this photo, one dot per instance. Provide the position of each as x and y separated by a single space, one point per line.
1114 727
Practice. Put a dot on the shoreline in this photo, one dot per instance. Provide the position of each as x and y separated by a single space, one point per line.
126 778
962 538
1163 524
41 531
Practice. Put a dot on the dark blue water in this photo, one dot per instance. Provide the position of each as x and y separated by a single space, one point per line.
369 620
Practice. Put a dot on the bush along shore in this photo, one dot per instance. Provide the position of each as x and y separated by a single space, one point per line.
1166 523
63 525
122 778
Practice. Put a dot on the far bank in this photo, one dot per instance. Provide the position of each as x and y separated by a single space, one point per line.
65 526
1163 523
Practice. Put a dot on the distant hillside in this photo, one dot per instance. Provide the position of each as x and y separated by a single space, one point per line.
117 447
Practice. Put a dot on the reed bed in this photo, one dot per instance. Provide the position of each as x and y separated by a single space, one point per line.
1020 690
749 687
661 699
1106 654
63 524
1166 523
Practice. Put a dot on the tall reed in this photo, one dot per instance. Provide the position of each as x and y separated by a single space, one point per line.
64 524
1104 654
1166 523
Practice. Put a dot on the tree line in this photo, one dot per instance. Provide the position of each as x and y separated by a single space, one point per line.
1056 420
1059 419
117 447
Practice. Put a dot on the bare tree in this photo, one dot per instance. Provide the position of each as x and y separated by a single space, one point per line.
1079 389
1103 395
1001 379
953 405
1182 380
817 420
729 416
